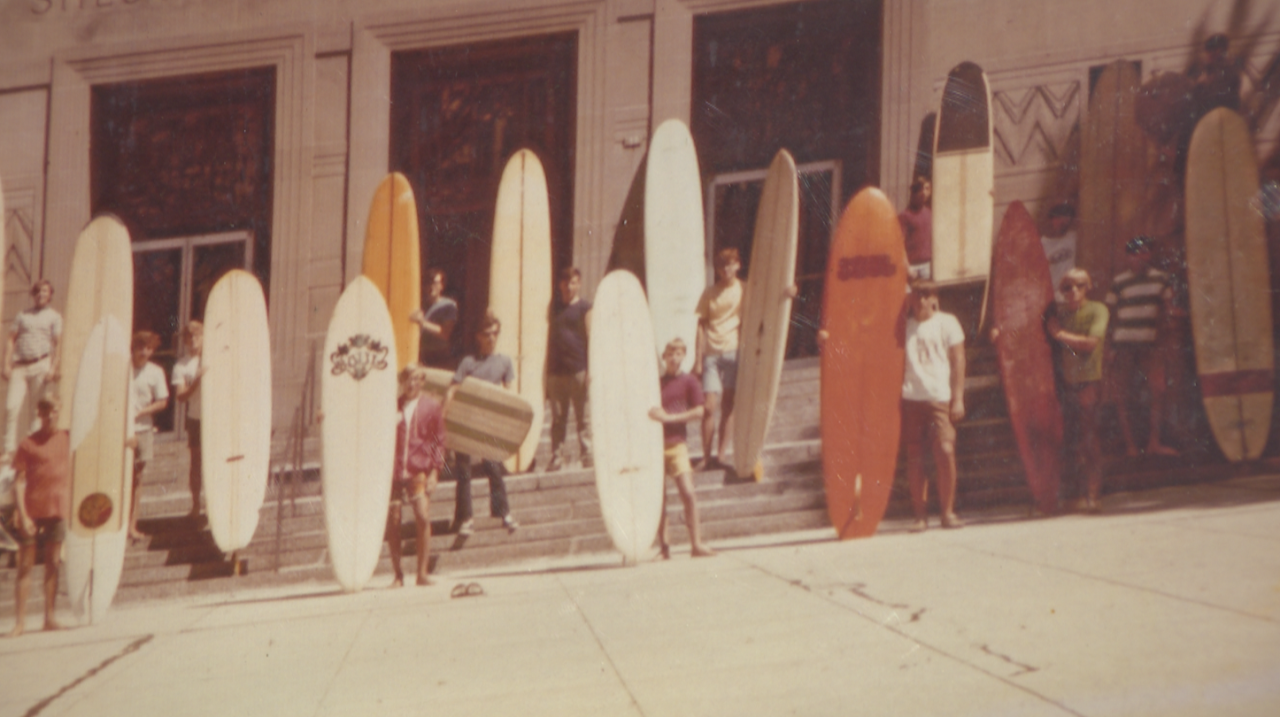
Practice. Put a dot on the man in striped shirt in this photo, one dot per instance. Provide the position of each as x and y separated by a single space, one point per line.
1139 300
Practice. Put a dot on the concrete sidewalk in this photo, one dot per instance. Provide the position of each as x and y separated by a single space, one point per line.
1167 604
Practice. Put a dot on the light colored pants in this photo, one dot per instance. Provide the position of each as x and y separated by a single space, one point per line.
24 379
568 392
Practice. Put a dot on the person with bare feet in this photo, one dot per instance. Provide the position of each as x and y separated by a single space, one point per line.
149 394
932 401
42 492
186 387
419 457
715 357
682 401
1139 301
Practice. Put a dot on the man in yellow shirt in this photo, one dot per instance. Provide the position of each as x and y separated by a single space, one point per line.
716 356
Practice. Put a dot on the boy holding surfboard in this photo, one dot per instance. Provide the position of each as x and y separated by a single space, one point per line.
419 457
437 322
42 492
149 394
682 401
716 356
186 387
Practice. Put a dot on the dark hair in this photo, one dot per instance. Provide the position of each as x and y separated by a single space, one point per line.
924 287
567 273
488 321
1062 210
432 273
35 288
145 338
726 255
1216 41
919 183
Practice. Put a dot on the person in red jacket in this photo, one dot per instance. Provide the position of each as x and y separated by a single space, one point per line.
419 456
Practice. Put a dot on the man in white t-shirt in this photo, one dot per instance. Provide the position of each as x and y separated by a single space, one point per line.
186 387
148 395
932 400
1059 242
31 357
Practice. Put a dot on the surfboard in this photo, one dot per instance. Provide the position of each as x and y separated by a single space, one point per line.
95 399
626 442
1113 166
1022 291
963 178
1229 286
236 414
358 435
766 312
520 285
393 262
675 264
483 419
862 363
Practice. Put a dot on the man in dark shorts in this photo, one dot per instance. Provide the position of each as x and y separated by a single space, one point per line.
567 368
42 492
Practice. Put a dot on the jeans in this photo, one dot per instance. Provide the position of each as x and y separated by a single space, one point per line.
498 507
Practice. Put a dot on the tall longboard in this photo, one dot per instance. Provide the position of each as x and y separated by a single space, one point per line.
358 396
626 442
675 264
766 312
1113 168
392 260
863 363
236 412
1022 291
1227 274
963 178
484 419
95 399
520 284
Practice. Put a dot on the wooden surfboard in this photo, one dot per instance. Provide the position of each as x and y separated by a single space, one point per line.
95 400
1022 291
393 262
236 426
626 442
520 285
1227 274
358 397
863 363
674 237
1113 167
484 419
766 312
963 178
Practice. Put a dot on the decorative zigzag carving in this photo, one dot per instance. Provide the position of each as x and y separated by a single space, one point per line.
1031 124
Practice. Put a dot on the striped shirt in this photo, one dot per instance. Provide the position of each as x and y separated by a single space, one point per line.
1138 301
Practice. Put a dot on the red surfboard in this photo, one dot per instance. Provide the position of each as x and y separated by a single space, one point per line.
1021 291
862 363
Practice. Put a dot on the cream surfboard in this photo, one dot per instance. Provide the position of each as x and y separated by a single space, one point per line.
484 419
392 260
358 397
6 472
236 414
963 178
95 400
627 443
520 284
766 312
675 263
1229 285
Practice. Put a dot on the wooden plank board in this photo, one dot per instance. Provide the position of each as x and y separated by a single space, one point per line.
1229 285
236 411
766 312
626 442
484 419
520 285
392 260
1022 291
358 397
863 363
963 178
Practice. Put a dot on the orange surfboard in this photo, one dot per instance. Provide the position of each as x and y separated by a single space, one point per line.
1021 291
392 260
862 363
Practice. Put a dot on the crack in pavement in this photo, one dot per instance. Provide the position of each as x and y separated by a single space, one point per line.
1026 669
132 647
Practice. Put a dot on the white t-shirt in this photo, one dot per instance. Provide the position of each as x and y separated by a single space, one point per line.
146 388
928 374
1061 253
184 372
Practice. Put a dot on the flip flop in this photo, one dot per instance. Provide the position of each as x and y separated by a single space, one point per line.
474 590
466 590
459 590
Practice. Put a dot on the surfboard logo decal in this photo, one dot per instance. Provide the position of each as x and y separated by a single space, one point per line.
865 266
95 510
359 356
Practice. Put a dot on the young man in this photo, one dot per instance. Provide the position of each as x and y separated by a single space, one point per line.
682 401
149 395
1080 329
932 400
1139 301
437 322
716 357
42 491
31 357
485 365
186 387
419 457
917 230
1059 244
567 367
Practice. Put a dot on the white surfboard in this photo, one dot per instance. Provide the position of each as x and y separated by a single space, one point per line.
627 443
236 412
675 265
766 312
963 178
520 284
358 397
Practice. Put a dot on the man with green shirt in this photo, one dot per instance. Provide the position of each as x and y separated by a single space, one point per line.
1080 329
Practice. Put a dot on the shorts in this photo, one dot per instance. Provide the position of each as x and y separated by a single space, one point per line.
47 530
193 433
927 419
675 460
923 270
1130 360
719 371
146 449
418 484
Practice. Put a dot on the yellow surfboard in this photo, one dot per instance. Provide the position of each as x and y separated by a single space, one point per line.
392 260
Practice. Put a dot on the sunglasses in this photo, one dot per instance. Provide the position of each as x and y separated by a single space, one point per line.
1068 286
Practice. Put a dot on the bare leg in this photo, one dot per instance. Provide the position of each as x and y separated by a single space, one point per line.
22 588
1156 386
393 542
138 468
664 548
195 479
422 522
684 482
52 553
944 456
712 405
726 422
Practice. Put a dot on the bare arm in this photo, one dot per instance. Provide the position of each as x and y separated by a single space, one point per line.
956 356
1078 343
20 500
657 413
55 360
8 354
